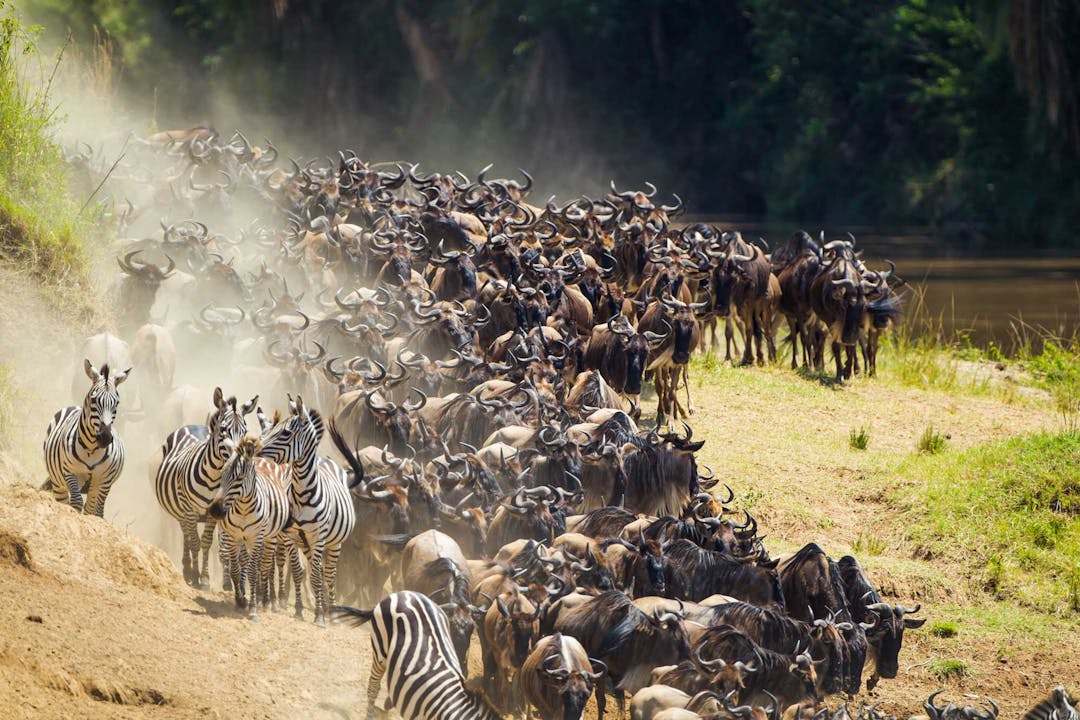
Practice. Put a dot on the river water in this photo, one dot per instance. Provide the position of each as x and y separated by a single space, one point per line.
999 299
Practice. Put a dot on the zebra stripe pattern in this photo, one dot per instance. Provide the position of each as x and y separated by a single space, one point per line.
320 506
189 475
252 510
82 453
411 646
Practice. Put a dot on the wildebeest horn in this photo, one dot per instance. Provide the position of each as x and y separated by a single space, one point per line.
901 610
413 407
715 664
385 408
845 281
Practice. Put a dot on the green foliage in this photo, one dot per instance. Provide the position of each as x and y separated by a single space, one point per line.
39 224
859 439
932 441
879 111
1057 368
1009 511
944 628
946 669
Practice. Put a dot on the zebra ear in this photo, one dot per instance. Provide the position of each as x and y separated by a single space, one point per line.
245 409
91 371
219 398
120 377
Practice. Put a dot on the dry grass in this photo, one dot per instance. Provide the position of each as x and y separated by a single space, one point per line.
783 441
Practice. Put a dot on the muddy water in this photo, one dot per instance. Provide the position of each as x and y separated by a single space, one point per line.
958 292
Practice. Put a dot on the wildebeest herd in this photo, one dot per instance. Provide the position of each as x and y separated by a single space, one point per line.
477 363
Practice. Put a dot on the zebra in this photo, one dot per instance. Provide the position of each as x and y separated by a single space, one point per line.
252 509
82 453
410 641
187 475
320 507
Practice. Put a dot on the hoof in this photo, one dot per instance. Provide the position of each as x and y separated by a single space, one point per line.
253 618
226 586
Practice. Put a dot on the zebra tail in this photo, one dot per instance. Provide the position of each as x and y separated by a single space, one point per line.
354 616
357 478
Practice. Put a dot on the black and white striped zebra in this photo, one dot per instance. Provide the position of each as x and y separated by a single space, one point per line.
252 510
189 473
321 510
411 646
82 453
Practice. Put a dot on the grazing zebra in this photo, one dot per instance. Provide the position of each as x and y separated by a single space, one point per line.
188 474
82 453
252 509
410 641
321 509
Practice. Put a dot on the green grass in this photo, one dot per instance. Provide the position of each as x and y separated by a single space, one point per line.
946 669
859 439
869 544
1009 512
943 629
40 223
932 441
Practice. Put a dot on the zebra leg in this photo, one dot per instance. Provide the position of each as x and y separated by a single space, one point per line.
279 564
235 567
254 564
207 540
297 579
377 670
95 498
318 584
73 494
225 558
330 572
190 531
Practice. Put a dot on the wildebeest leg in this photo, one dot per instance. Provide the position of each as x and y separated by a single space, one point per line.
853 360
794 331
838 357
620 701
686 384
746 318
601 699
729 338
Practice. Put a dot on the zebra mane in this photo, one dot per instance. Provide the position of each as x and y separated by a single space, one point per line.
105 372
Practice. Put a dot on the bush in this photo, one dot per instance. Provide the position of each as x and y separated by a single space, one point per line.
39 220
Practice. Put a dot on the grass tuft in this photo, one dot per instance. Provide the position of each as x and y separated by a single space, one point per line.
869 544
932 441
947 669
859 439
944 629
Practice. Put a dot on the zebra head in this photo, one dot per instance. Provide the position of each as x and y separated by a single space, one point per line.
297 436
228 421
102 401
237 477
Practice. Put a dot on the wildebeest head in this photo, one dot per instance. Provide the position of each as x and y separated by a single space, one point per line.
650 569
887 634
395 419
684 325
568 679
725 677
831 670
592 570
522 620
